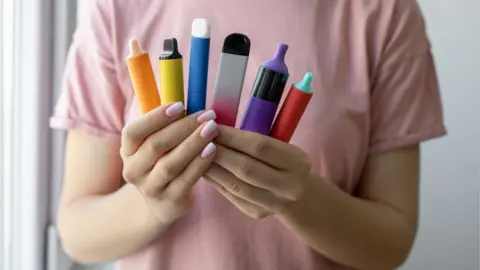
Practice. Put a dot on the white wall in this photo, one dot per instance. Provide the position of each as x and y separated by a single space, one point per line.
448 237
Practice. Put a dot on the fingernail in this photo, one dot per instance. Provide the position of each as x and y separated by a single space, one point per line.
208 150
208 129
175 109
208 115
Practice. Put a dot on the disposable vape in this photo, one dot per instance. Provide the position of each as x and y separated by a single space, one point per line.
266 93
170 66
143 79
230 76
292 109
198 68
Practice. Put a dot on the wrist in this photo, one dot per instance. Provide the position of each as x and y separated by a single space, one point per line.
144 218
160 213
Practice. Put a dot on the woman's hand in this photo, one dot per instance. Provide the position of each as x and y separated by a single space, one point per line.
260 175
164 157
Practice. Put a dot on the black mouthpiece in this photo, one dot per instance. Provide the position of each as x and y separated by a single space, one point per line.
237 44
170 49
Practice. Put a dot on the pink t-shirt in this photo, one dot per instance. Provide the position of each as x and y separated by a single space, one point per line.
375 89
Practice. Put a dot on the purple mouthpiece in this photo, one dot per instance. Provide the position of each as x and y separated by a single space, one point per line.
277 63
281 51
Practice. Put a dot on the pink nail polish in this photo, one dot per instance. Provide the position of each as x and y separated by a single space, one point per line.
208 150
175 109
208 129
206 116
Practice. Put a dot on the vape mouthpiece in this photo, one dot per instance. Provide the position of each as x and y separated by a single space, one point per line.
277 63
201 28
134 47
170 49
237 44
304 84
281 51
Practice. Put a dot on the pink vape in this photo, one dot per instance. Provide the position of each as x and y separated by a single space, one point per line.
230 76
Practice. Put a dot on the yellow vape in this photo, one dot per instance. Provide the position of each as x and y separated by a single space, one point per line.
170 65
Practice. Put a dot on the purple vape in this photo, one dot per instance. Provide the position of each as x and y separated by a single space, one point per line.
266 93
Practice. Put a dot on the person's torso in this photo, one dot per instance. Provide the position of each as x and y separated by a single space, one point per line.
329 38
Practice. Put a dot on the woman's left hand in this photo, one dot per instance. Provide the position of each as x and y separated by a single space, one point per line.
262 176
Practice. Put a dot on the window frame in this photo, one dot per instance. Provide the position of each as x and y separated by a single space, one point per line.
32 53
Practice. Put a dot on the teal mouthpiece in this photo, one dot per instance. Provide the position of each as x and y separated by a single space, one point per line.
304 84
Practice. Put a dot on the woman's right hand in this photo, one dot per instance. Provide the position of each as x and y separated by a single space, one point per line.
164 157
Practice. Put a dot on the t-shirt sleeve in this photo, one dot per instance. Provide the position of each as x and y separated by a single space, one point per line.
405 100
91 99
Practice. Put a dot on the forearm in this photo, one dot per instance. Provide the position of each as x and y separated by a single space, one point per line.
351 231
107 227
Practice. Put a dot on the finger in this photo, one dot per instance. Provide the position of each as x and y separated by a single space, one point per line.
168 138
192 173
269 150
252 210
258 174
133 171
136 132
172 164
257 196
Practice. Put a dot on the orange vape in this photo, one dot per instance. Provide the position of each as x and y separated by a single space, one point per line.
143 79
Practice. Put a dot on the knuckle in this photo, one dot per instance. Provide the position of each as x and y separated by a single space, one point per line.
257 214
129 133
235 188
129 173
296 193
179 190
306 163
153 186
279 208
260 145
168 171
155 145
190 144
246 168
123 152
